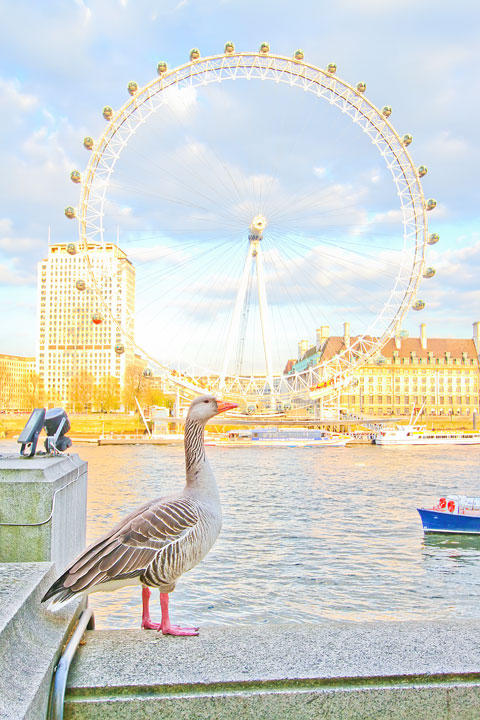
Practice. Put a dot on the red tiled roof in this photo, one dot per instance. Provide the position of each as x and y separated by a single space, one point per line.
288 366
437 346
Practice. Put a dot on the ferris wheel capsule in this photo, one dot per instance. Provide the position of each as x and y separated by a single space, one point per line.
107 112
431 204
407 139
147 372
299 55
433 238
71 249
97 318
70 212
229 48
331 68
422 171
119 348
361 86
264 48
419 305
386 111
132 87
88 143
162 67
429 272
194 54
81 285
75 176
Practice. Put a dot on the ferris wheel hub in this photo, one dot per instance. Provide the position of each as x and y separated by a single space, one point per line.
258 225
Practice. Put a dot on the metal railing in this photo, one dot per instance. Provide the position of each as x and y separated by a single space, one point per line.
60 673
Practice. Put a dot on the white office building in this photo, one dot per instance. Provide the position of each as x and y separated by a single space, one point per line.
77 331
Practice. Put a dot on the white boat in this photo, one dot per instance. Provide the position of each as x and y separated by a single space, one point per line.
419 435
281 437
414 434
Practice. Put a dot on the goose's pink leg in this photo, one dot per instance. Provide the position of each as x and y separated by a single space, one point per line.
147 624
166 627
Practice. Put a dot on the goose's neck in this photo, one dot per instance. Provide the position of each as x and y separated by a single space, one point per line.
194 447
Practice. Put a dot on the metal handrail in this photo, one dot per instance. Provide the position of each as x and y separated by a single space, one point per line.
59 680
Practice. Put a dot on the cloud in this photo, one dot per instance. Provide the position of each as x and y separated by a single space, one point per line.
180 101
14 99
143 254
87 13
10 276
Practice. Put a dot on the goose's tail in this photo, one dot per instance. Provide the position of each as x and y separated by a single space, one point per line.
58 595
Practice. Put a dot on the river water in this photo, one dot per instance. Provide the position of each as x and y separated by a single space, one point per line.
309 534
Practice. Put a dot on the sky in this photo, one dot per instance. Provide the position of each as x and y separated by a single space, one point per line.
61 62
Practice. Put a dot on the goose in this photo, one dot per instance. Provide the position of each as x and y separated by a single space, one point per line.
158 541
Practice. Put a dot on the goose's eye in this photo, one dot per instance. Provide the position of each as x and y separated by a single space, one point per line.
206 401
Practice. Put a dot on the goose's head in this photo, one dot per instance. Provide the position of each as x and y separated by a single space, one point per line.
205 407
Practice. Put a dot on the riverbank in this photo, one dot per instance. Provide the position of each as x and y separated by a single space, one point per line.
94 425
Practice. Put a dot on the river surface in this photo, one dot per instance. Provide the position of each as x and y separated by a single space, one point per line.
309 534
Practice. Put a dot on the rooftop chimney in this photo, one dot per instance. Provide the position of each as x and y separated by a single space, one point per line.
346 334
398 339
302 348
322 334
423 335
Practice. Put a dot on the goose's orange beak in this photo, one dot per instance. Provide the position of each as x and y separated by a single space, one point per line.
224 406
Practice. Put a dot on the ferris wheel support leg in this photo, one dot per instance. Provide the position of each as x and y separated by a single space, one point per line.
235 323
264 319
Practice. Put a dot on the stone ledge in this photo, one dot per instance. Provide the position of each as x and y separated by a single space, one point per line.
330 670
31 639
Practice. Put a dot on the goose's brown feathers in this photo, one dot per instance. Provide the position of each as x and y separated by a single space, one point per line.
131 547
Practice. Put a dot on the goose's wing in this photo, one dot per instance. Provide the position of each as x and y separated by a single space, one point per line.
130 547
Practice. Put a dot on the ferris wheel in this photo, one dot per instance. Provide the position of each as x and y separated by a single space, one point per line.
249 233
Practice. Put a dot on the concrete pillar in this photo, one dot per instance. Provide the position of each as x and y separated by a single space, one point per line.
43 505
346 334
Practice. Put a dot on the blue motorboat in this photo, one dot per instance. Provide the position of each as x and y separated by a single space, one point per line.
452 514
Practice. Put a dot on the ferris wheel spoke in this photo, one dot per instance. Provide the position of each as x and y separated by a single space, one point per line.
332 278
180 118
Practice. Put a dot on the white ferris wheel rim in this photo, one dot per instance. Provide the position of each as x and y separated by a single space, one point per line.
352 102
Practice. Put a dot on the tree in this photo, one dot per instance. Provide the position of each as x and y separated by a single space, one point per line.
53 397
154 396
34 390
134 387
81 391
107 393
5 386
